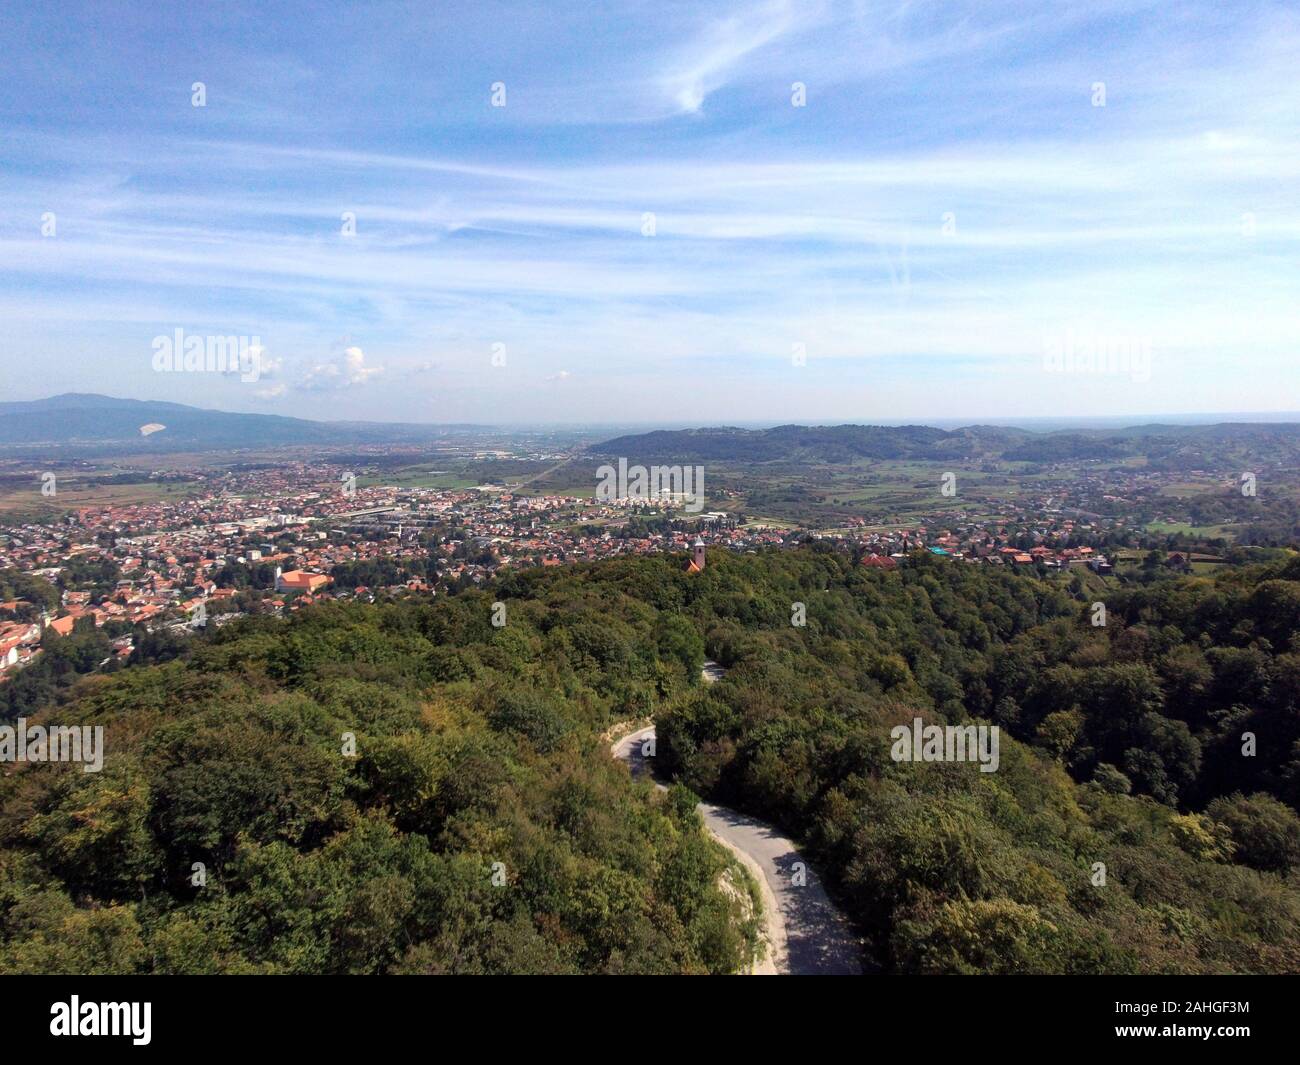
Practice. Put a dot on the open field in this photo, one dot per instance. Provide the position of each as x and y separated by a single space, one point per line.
74 494
1226 532
416 477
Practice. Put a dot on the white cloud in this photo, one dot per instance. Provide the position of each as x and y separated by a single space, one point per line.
347 371
267 365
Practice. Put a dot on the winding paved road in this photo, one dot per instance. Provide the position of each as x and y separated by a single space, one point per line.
806 933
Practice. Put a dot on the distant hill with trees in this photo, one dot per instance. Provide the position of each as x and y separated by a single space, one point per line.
1223 446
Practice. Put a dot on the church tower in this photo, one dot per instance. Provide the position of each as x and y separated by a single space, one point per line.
697 556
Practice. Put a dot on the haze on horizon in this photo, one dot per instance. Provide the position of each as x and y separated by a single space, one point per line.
949 200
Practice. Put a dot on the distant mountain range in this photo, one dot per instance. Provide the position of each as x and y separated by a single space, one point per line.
838 443
1226 444
81 420
86 419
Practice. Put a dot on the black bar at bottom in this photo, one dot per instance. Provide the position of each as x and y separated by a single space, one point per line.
341 1013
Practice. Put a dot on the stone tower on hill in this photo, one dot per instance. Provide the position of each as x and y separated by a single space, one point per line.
697 557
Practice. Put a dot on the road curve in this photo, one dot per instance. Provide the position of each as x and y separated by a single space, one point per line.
806 934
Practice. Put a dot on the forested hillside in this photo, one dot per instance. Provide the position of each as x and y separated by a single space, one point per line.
951 870
478 745
1226 446
480 827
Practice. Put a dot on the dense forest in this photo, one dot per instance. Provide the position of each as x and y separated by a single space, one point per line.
360 789
406 787
1129 754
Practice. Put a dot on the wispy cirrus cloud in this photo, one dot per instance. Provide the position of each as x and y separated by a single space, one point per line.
723 44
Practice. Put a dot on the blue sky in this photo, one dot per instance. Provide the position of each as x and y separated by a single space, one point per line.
949 206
